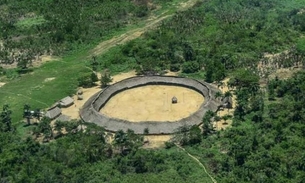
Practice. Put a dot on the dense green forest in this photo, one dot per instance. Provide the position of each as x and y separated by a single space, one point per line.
211 41
216 37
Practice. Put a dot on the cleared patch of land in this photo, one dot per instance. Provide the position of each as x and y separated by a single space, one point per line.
225 124
153 103
73 111
284 73
156 141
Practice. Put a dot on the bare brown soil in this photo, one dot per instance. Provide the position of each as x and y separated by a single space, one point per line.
284 73
225 124
153 103
156 141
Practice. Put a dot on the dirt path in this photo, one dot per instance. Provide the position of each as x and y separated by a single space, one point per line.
197 160
150 23
25 96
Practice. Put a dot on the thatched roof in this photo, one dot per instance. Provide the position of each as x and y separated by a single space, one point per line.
52 113
67 101
63 118
174 100
80 92
89 111
80 97
227 102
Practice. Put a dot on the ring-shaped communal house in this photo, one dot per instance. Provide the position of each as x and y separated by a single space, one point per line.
90 111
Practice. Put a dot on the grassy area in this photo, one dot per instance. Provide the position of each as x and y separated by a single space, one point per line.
29 22
33 88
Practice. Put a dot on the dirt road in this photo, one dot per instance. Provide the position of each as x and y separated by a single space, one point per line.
150 23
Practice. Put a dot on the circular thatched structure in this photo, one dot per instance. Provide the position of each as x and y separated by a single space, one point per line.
90 111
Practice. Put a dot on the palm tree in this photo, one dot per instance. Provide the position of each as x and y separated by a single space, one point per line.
5 119
105 80
225 118
37 114
228 94
146 131
220 84
254 87
218 95
217 119
120 139
27 113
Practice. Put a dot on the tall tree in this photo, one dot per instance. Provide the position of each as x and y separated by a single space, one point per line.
5 119
105 80
27 113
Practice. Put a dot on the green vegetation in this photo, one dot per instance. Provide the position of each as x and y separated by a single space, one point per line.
105 80
210 41
216 37
53 27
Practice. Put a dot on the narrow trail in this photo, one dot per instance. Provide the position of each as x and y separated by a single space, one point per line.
18 94
197 160
150 23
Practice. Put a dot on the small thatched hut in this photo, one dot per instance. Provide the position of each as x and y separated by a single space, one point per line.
80 92
174 100
80 97
227 102
63 118
66 102
53 112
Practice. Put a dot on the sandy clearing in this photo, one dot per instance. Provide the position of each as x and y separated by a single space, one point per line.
73 111
122 76
169 73
153 103
284 73
2 84
156 141
151 141
220 124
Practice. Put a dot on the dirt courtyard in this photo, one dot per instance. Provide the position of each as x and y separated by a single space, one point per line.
153 103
